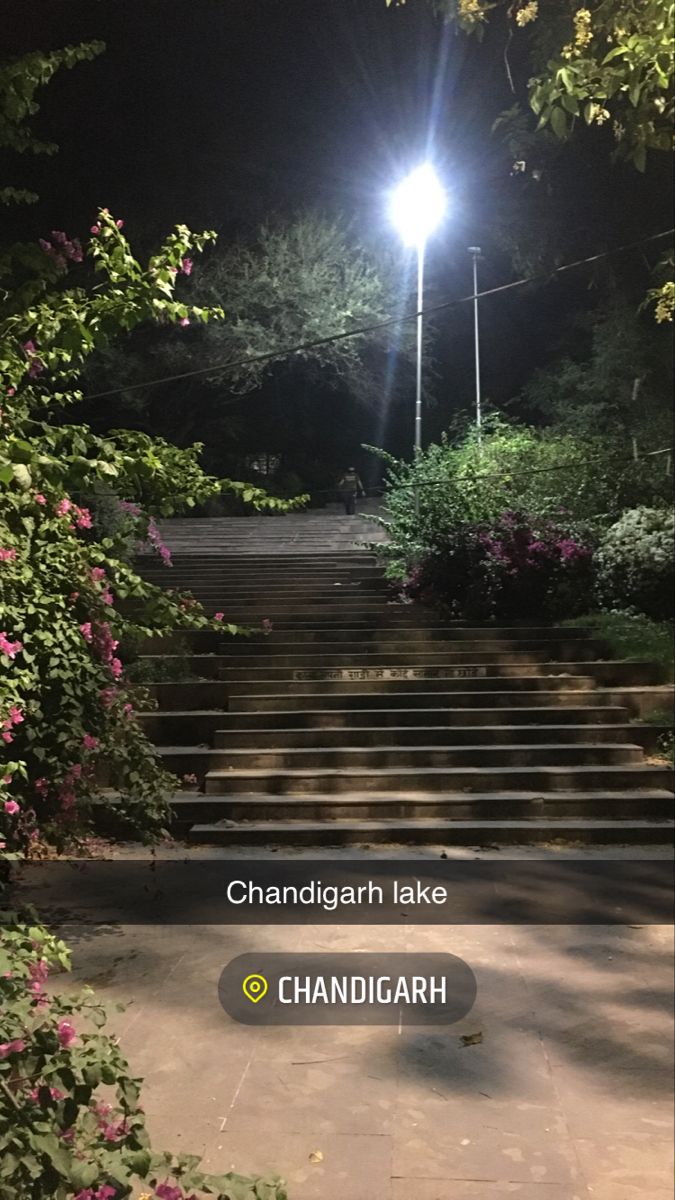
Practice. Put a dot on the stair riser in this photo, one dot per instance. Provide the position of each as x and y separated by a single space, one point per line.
614 808
395 700
360 720
387 658
488 736
480 835
241 690
477 779
271 646
406 758
444 666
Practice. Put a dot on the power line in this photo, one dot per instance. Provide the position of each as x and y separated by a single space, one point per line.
285 352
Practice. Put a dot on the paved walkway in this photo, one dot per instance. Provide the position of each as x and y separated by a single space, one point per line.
567 1097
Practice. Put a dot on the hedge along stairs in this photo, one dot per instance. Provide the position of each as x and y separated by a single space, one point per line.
359 719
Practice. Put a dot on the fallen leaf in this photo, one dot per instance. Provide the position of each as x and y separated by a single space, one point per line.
316 1156
471 1039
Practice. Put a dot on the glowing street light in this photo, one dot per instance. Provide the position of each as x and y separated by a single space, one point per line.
416 208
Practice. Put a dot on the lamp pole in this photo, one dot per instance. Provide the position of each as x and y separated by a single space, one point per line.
416 207
474 251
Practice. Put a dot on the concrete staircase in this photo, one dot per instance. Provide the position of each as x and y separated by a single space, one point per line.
359 719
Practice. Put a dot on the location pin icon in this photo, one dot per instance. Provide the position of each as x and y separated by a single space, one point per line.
254 988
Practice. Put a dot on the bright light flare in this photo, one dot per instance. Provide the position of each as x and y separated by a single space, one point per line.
418 205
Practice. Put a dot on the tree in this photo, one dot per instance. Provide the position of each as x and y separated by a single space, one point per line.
19 81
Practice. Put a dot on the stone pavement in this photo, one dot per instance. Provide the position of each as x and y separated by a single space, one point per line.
568 1096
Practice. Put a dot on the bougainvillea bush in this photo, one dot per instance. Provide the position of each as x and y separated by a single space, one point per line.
513 568
71 1125
636 564
68 592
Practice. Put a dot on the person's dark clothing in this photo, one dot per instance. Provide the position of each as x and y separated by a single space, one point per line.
350 488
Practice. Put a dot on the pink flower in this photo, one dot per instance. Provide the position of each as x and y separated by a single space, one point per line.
64 506
83 518
107 697
89 741
166 1191
54 1093
184 321
218 616
186 266
15 1047
7 779
39 498
41 786
86 631
128 710
11 807
11 391
266 625
36 368
15 715
7 555
107 597
95 229
7 737
115 668
11 649
120 223
29 347
97 574
66 1033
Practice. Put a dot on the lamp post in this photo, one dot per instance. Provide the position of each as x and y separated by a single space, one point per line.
417 206
474 251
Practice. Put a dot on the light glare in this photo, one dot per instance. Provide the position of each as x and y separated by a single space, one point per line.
418 205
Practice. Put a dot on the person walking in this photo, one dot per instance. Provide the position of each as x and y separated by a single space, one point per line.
350 488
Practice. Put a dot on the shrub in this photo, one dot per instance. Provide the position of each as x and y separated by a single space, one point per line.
553 473
71 1126
514 568
635 566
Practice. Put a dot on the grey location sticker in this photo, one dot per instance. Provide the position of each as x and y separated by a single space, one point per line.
347 989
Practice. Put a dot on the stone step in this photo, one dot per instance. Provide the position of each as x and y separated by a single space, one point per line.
651 804
497 698
633 673
190 694
405 657
434 831
431 735
472 679
287 780
273 644
188 759
365 718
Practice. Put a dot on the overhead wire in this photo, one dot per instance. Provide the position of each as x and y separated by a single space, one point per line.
316 343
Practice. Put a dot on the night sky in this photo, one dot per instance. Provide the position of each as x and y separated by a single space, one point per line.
220 113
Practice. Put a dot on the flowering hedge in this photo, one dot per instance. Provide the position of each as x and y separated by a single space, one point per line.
71 1125
514 568
68 594
635 562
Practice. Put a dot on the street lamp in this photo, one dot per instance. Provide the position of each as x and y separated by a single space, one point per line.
416 208
474 251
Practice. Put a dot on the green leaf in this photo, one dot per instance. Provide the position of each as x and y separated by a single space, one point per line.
558 122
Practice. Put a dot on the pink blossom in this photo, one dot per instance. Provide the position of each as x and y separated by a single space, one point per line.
36 368
54 1093
128 710
11 807
97 574
7 555
89 741
115 668
11 649
186 266
41 786
15 1047
83 518
66 1033
29 347
15 715
7 737
266 625
107 597
218 616
86 631
166 1191
120 223
95 229
64 506
39 498
107 697
7 779
184 321
75 771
